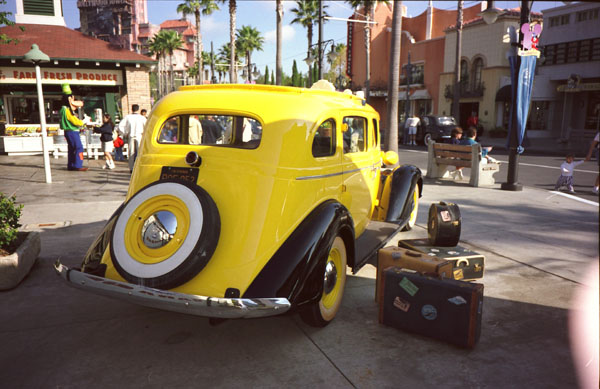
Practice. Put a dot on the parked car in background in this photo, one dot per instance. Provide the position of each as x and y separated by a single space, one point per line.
258 222
437 128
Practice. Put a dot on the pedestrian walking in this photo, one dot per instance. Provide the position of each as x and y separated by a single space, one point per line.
566 173
132 128
411 123
106 137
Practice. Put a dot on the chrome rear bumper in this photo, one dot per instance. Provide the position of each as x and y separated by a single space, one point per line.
217 307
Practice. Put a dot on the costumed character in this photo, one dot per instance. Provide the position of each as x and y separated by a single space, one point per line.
71 124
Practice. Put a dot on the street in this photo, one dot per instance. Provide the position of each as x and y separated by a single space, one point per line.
534 171
538 249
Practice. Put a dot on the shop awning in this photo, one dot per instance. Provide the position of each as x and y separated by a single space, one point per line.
504 94
419 94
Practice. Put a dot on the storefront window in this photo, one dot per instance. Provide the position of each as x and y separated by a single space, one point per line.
592 117
538 117
25 110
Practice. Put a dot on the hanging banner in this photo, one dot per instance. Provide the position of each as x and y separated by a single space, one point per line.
525 86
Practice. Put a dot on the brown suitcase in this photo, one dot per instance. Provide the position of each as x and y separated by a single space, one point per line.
412 260
467 264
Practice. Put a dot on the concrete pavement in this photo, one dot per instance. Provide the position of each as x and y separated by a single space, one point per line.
539 250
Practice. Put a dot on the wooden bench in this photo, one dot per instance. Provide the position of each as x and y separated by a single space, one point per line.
442 155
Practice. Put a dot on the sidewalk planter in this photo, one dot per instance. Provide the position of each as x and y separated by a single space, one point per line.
14 267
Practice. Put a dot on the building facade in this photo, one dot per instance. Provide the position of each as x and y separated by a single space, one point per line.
423 39
566 94
484 70
114 21
104 77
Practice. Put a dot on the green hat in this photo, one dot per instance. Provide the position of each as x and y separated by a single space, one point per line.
66 89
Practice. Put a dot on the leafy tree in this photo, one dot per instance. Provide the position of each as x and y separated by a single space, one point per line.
248 40
295 76
4 20
156 45
266 76
273 78
172 41
195 7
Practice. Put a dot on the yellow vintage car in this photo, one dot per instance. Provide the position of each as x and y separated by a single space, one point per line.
249 201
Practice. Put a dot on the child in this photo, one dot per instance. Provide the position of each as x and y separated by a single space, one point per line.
456 135
106 136
566 173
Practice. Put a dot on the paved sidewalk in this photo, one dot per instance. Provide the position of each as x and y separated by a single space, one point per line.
539 251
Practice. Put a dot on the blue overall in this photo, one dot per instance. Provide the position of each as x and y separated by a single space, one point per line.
75 153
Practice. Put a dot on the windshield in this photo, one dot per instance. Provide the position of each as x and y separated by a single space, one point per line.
446 121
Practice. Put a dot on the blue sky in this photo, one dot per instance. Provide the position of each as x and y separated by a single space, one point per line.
261 15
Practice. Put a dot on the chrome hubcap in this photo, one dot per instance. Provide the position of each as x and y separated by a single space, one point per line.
159 229
330 277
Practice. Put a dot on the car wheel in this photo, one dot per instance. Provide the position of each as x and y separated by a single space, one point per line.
427 139
412 219
165 234
321 313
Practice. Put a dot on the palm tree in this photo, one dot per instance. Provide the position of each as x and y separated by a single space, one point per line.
224 55
232 47
206 7
307 13
394 77
248 40
172 42
156 47
368 7
278 65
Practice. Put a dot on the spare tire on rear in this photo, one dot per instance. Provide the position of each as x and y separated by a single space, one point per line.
165 234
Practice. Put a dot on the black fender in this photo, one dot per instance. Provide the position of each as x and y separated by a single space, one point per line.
296 270
91 261
404 179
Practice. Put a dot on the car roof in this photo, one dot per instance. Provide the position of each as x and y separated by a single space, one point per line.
268 102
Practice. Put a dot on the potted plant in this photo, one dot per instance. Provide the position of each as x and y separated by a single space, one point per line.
18 250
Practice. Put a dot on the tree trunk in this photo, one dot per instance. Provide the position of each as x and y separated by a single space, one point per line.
278 65
456 93
171 76
310 35
200 48
368 53
232 69
248 59
394 77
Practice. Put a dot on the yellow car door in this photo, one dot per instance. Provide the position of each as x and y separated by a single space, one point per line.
361 166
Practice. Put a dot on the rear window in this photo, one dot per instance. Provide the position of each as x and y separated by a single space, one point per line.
446 121
220 130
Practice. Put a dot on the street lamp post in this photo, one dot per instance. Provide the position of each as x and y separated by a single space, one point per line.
513 156
36 56
321 48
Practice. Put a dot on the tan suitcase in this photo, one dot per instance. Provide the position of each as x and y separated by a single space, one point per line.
412 260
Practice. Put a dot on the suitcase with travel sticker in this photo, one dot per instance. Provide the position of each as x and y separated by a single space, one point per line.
466 264
412 260
448 310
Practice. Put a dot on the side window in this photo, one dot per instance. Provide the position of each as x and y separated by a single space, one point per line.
206 129
375 134
355 134
324 141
